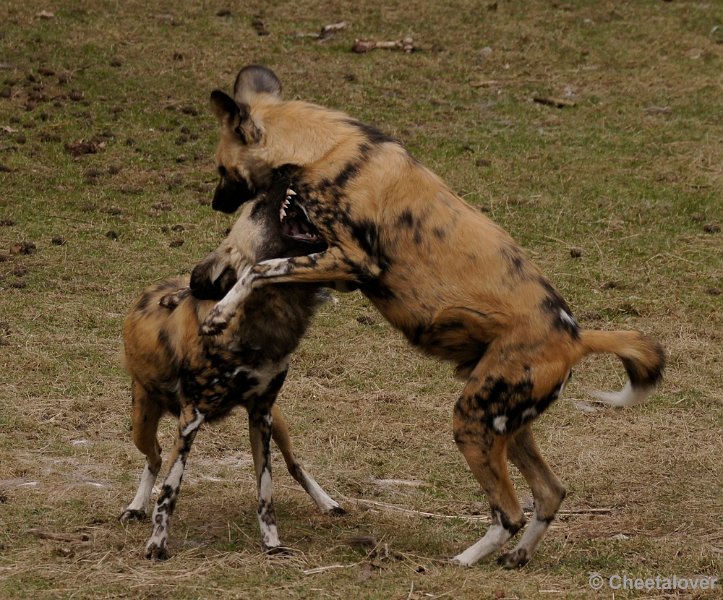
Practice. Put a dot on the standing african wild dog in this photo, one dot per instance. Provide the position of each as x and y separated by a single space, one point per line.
174 369
456 284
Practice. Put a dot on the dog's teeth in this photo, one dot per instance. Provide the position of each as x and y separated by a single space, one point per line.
287 203
282 214
290 192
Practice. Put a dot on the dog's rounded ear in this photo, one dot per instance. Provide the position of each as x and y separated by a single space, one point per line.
253 80
228 112
211 279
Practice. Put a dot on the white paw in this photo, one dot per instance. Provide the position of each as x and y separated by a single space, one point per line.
460 561
157 550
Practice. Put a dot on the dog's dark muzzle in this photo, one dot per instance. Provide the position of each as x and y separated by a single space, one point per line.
229 195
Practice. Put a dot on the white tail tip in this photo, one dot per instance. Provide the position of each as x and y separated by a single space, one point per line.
628 396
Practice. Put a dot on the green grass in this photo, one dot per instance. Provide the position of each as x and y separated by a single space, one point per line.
631 176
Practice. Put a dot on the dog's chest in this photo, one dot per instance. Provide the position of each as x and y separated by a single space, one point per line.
219 382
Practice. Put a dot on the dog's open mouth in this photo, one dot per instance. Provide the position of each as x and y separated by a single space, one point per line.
295 222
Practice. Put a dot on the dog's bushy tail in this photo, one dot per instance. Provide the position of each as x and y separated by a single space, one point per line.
642 357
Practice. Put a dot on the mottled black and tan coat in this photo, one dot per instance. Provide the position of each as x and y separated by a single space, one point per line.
457 285
200 379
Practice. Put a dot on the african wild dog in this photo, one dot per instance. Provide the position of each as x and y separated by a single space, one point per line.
199 379
456 284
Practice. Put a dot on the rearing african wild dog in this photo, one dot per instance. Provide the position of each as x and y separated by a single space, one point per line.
200 379
451 280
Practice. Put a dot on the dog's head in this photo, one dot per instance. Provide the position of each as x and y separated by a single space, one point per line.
242 168
258 234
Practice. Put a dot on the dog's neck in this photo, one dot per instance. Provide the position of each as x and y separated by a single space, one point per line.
287 125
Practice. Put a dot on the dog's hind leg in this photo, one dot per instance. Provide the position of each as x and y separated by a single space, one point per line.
280 435
486 457
260 426
145 417
485 450
189 421
546 489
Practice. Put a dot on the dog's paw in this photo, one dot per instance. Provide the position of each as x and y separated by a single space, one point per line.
456 561
210 328
157 551
278 551
215 323
515 559
132 515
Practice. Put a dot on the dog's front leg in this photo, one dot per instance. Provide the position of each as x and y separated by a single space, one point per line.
260 423
188 423
324 267
219 317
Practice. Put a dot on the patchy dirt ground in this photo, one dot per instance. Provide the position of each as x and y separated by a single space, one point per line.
590 130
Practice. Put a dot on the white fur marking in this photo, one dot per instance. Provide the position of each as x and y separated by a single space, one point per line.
494 538
144 490
175 475
567 318
159 538
265 486
322 499
193 425
276 266
529 413
532 536
500 423
269 532
227 306
269 535
628 396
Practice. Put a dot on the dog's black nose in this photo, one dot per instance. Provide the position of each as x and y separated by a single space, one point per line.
229 195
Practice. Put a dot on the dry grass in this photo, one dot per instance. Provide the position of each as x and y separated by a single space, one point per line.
630 175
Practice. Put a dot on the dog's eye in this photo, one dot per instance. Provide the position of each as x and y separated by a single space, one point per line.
222 171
